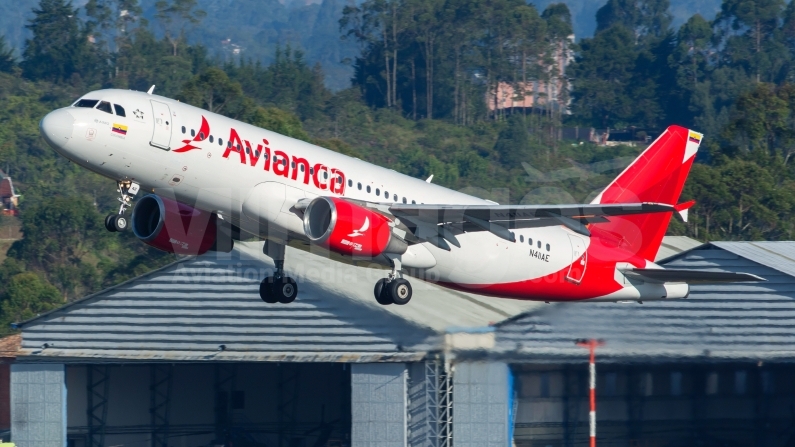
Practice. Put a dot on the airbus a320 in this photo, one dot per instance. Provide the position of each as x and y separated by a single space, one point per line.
213 180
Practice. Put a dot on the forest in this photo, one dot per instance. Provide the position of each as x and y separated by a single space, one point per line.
418 102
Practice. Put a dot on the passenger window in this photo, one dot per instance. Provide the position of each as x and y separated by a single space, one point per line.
192 133
386 194
530 241
359 185
183 129
87 103
368 188
302 166
377 192
521 238
105 107
539 244
413 202
201 136
220 141
404 200
311 170
292 165
256 154
119 110
211 138
350 182
394 198
547 247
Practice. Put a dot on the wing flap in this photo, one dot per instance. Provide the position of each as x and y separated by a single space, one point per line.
661 276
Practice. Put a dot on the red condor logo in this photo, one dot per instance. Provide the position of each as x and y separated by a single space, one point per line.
323 177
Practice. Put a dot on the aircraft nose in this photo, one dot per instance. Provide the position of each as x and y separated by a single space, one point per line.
57 127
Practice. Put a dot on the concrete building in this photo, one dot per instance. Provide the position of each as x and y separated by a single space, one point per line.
189 356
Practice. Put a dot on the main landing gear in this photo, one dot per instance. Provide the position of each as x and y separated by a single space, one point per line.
127 190
393 290
277 288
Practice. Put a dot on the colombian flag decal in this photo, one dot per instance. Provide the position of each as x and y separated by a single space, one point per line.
120 129
695 138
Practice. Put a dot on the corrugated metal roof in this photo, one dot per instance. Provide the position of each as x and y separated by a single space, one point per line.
753 321
187 310
776 255
673 245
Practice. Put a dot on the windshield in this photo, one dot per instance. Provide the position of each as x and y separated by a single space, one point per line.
87 103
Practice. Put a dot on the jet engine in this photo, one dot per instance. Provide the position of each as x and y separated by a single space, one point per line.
350 229
173 227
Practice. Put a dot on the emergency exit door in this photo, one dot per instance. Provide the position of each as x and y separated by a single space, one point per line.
579 259
161 135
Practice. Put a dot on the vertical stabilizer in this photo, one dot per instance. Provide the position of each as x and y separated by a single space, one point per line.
657 175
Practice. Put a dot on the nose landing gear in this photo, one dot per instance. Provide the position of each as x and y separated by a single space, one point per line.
277 288
127 190
393 290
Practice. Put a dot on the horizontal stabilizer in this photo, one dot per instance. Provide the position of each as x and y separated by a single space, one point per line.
661 276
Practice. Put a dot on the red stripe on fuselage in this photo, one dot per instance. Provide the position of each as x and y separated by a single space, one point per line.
603 254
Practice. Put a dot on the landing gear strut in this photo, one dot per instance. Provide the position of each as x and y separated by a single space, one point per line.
277 288
393 290
127 190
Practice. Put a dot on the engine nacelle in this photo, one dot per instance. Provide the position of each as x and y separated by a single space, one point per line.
173 227
350 229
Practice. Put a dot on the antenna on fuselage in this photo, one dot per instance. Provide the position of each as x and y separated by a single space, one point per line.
428 180
151 89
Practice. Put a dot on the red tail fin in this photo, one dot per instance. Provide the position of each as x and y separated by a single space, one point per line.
657 175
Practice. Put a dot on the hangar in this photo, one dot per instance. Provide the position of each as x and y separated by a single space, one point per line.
189 356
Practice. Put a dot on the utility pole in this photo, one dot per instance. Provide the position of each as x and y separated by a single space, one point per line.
591 344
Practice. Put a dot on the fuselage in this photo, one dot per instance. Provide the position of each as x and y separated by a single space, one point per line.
254 178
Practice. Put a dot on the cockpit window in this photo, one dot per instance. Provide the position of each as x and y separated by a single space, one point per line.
105 107
119 110
87 103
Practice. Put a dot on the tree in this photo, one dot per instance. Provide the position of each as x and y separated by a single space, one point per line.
59 48
213 90
602 74
7 60
176 17
27 295
756 21
112 22
642 17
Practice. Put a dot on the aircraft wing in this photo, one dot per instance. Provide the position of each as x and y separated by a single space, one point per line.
438 224
689 276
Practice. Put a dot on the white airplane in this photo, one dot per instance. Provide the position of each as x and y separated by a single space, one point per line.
214 179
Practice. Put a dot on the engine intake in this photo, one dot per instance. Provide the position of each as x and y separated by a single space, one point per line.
173 227
350 229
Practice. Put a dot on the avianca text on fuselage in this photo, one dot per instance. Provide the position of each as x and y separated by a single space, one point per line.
283 164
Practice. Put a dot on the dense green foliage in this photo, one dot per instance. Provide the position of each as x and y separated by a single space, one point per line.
417 104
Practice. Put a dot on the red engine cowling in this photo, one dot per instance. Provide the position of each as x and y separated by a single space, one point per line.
172 226
350 229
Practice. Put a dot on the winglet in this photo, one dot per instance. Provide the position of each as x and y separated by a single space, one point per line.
151 89
683 207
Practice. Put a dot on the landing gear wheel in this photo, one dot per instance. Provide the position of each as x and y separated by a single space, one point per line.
278 290
109 223
285 290
119 223
266 291
400 291
381 292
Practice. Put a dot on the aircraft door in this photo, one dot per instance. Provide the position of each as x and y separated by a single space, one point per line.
161 136
579 259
